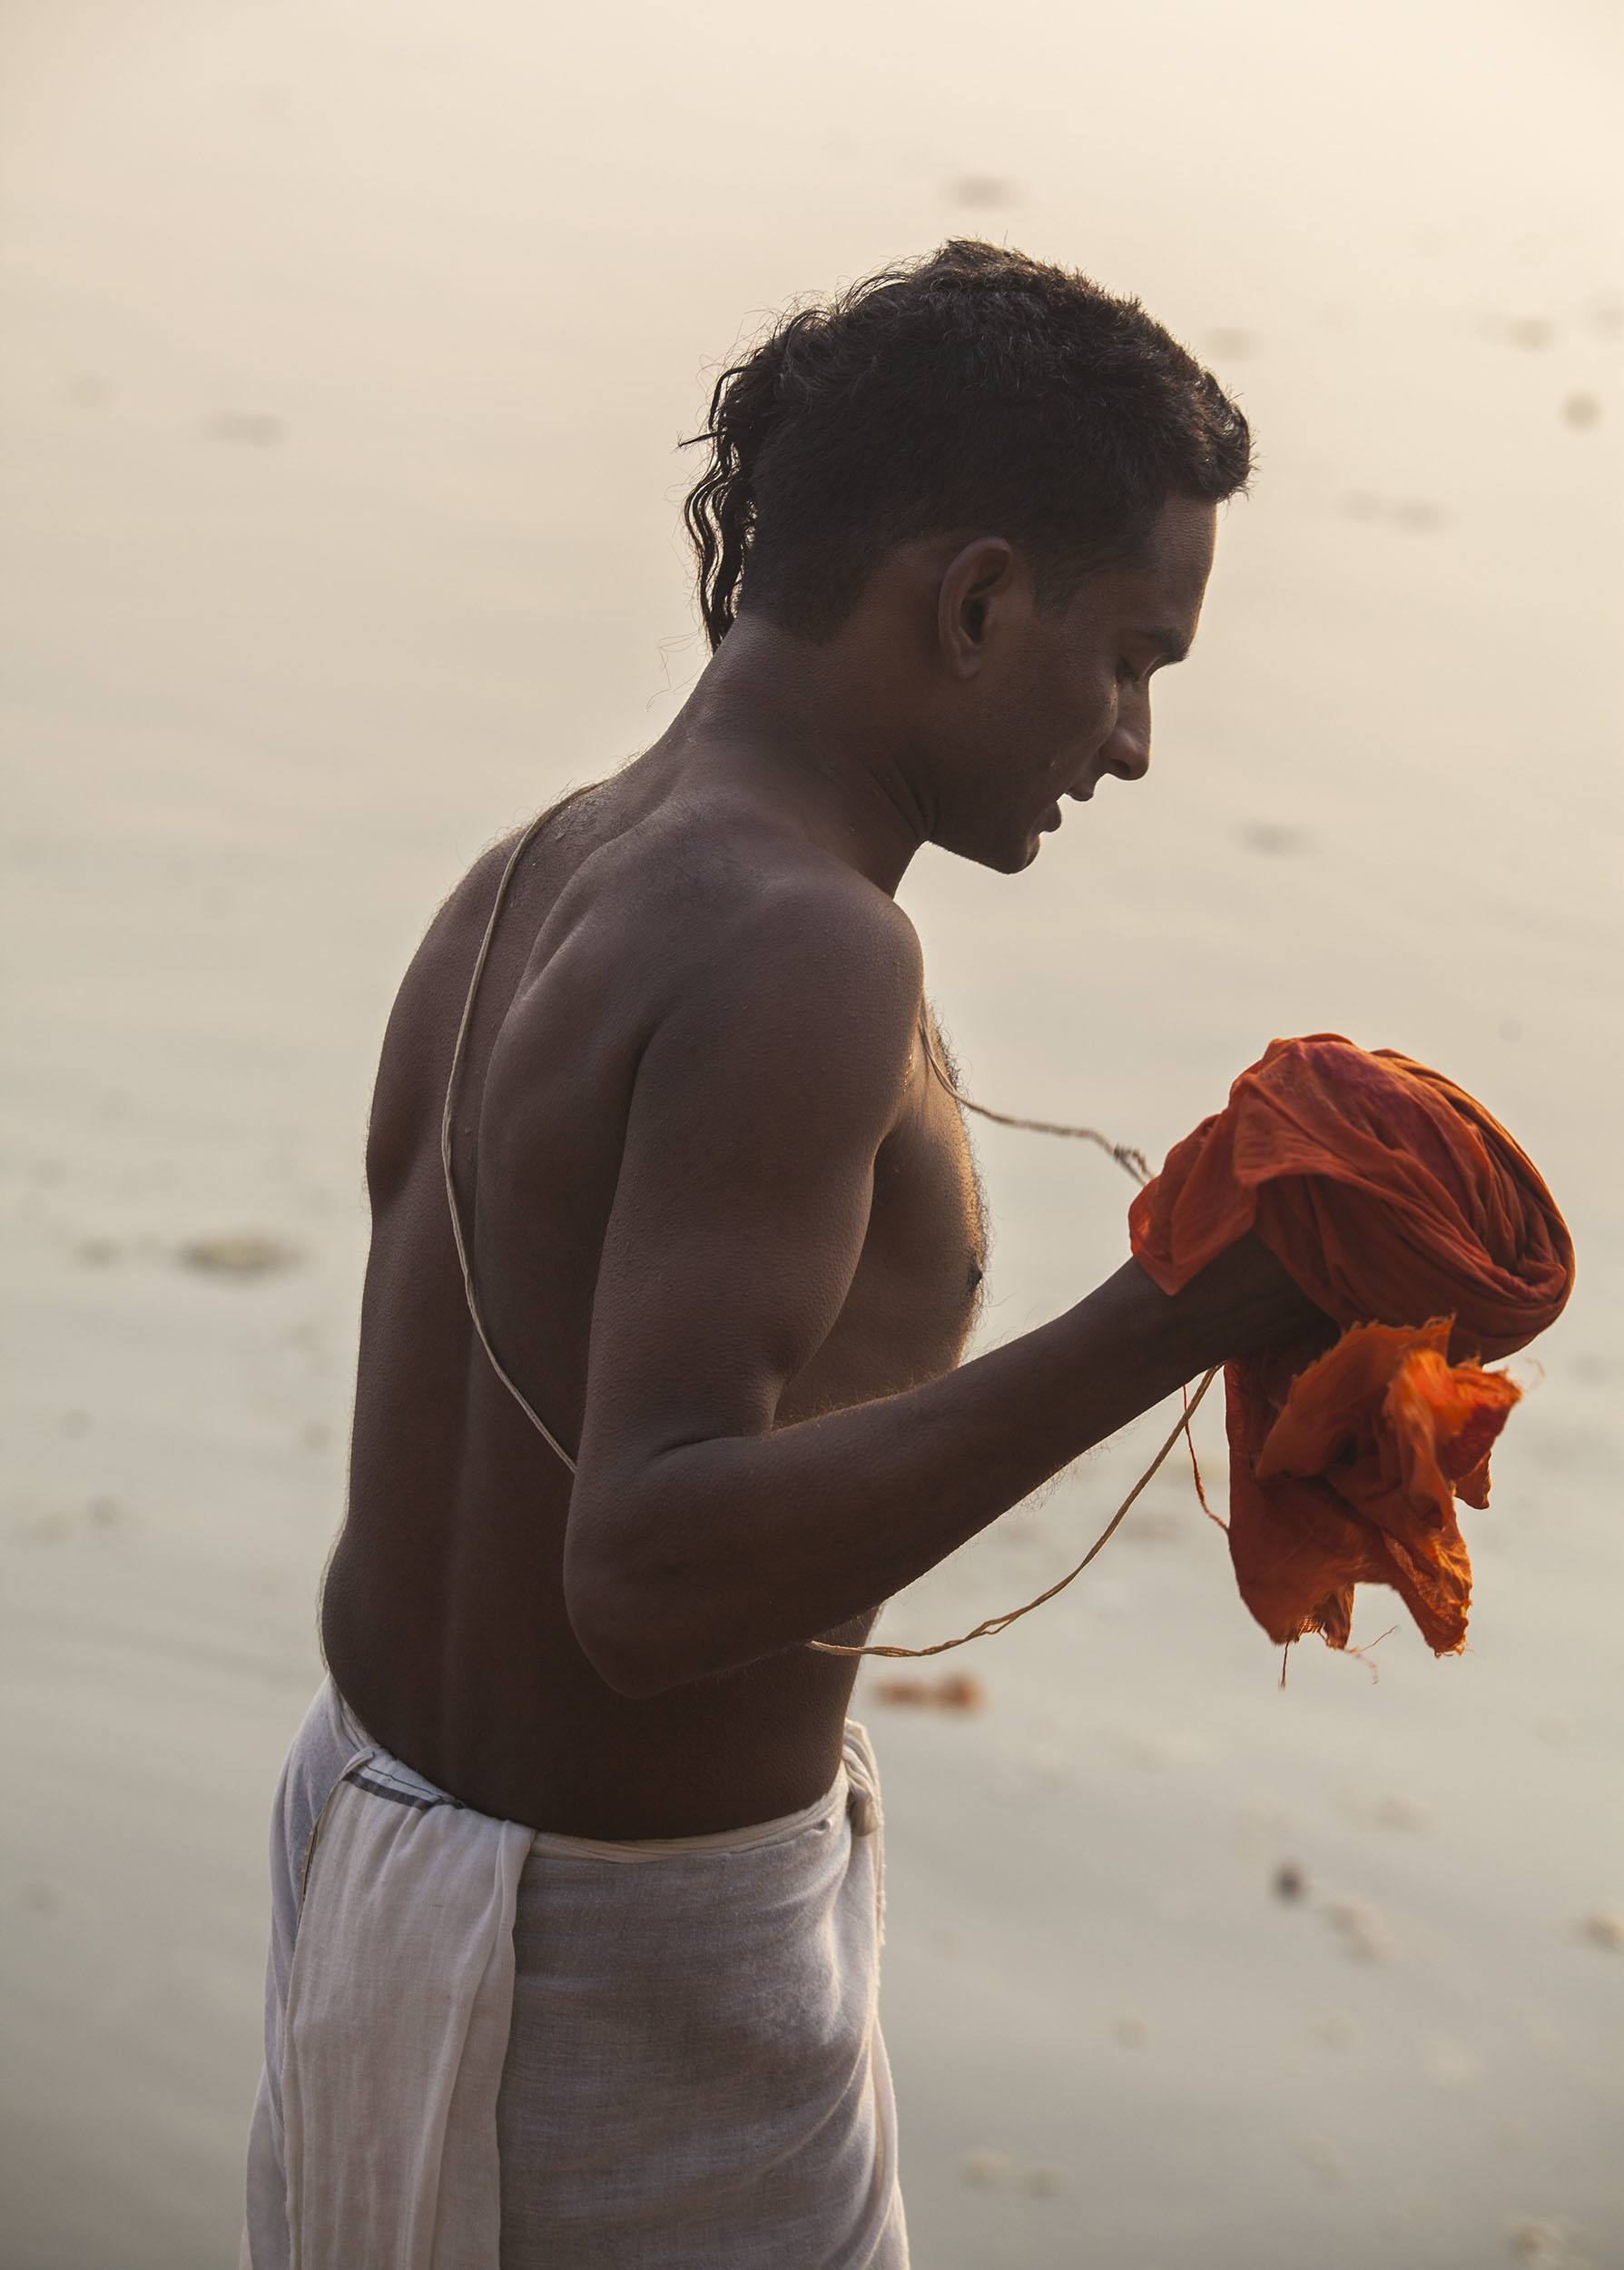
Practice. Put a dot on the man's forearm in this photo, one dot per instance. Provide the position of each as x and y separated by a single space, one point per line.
723 1551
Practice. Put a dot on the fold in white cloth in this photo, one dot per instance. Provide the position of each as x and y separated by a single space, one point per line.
491 2049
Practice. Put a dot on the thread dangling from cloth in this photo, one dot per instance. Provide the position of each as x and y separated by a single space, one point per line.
1013 1615
1134 1164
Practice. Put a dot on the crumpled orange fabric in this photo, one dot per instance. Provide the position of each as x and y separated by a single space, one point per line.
1405 1211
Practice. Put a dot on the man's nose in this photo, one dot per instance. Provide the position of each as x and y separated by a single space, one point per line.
1127 752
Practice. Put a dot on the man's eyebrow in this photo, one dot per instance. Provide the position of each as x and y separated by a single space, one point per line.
1173 644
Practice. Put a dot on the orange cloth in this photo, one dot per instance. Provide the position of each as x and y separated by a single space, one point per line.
1408 1214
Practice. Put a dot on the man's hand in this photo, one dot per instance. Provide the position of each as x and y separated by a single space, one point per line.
1245 1303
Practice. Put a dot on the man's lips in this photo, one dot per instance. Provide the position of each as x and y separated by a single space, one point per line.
1054 816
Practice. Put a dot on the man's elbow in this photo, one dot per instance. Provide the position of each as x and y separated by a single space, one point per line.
635 1641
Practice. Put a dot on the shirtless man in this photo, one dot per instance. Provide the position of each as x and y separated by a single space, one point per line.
721 1218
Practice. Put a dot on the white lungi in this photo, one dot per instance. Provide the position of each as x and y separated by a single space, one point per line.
487 2048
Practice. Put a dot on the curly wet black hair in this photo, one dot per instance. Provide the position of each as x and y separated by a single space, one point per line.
972 388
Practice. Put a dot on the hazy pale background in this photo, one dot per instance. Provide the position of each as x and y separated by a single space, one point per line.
345 343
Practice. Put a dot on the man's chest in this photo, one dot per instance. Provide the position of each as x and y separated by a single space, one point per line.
929 1223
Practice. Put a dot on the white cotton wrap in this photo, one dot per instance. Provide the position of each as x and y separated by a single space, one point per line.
487 2048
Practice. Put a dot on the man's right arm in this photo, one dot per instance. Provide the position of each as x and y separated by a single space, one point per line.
701 1534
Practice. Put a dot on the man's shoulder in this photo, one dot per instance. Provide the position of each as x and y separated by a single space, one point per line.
720 893
700 912
818 933
776 969
828 911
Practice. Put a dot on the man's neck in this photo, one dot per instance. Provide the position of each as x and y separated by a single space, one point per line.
793 722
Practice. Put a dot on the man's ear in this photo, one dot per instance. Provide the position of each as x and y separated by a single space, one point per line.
978 576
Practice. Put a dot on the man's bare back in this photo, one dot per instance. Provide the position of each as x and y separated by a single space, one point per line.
445 1619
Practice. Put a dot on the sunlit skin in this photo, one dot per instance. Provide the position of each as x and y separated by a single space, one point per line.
725 1225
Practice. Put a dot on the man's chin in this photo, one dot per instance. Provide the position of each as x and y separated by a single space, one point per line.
1017 861
1000 859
